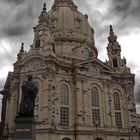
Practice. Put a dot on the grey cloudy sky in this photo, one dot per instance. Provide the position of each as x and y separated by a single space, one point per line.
17 17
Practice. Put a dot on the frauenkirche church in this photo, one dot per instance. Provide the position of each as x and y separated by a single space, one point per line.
80 97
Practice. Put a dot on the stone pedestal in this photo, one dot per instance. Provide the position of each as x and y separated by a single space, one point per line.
24 128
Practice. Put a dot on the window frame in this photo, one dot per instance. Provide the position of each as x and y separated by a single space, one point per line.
96 117
86 52
64 105
64 95
78 23
116 100
37 43
53 22
118 119
95 103
64 116
115 63
95 99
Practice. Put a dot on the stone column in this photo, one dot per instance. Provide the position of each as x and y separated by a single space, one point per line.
79 101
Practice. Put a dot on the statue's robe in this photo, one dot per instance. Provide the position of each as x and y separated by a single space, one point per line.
29 92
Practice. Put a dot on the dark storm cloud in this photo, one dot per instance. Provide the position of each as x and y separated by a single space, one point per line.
126 13
126 8
21 15
18 22
17 2
122 5
17 18
15 30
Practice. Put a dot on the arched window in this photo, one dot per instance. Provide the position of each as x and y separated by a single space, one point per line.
117 108
53 23
64 106
78 23
86 53
115 63
94 97
116 98
95 107
64 96
37 43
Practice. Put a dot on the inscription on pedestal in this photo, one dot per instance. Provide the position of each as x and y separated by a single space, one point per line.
23 130
24 127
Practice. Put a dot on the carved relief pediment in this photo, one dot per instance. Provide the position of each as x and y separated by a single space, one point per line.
95 62
34 64
95 69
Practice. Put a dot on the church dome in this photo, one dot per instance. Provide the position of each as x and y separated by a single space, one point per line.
68 24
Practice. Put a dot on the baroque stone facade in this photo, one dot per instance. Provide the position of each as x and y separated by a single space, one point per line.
80 97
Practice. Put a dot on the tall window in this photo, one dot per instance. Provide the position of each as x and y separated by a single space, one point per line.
64 116
96 117
78 23
86 53
64 95
115 62
95 107
94 97
37 43
118 119
116 101
117 108
64 106
53 23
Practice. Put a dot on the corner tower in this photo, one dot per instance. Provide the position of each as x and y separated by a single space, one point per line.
114 53
43 39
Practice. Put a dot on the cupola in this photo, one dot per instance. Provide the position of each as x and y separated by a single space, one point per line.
62 3
44 17
68 24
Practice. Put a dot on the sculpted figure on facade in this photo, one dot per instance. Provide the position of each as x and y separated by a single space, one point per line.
29 93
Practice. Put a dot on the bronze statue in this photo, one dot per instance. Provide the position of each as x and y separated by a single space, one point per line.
29 93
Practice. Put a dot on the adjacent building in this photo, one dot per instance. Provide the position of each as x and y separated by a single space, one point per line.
80 97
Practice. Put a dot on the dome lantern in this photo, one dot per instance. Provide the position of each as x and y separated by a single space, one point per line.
68 3
44 17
